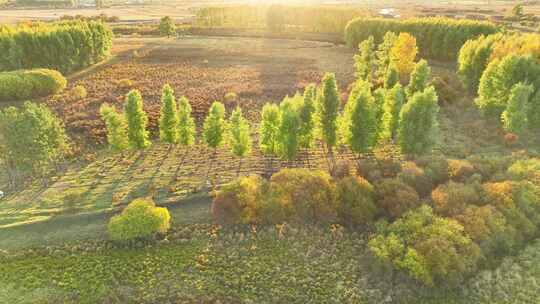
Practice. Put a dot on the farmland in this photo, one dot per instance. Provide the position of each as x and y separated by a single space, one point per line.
387 170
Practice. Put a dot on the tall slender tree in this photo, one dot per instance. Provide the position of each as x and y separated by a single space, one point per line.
288 129
327 112
186 124
383 54
116 128
419 78
168 121
214 126
307 117
393 101
514 118
364 61
137 120
269 129
239 134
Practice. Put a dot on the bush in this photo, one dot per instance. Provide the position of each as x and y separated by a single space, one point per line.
140 219
528 169
435 167
415 177
452 198
395 197
430 249
447 94
460 170
78 93
28 84
355 201
489 167
438 38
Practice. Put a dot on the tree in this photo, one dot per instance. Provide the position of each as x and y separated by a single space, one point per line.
327 111
167 27
239 136
365 60
514 118
383 55
269 129
419 78
534 111
307 117
137 120
186 124
517 11
168 121
359 122
391 78
117 136
418 124
393 101
403 54
214 126
289 129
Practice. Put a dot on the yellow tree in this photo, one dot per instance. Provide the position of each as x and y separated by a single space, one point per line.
403 54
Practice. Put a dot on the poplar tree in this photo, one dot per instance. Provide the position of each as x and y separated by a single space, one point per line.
419 78
418 122
327 111
115 122
288 129
168 121
186 123
269 129
239 136
137 120
393 101
365 60
307 117
359 119
214 126
534 111
383 55
514 118
391 78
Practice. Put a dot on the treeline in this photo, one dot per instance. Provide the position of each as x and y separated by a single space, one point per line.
438 38
63 46
278 18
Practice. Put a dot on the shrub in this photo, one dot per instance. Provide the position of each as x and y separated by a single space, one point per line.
489 167
415 177
418 124
460 170
435 167
78 92
167 27
355 199
136 120
438 38
28 84
305 195
452 198
140 219
447 94
528 169
125 83
430 249
395 197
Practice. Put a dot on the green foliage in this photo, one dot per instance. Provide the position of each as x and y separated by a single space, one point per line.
307 117
168 120
394 197
269 129
514 118
355 199
393 102
452 198
365 60
27 84
167 26
186 124
239 134
140 219
533 116
327 110
419 78
359 122
289 128
391 78
31 138
116 127
136 120
418 123
383 59
473 59
214 126
416 177
525 169
63 46
431 249
438 38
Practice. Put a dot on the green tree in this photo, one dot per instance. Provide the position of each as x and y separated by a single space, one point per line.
137 120
269 129
239 136
418 124
383 56
289 129
186 124
168 121
391 78
327 111
365 60
115 122
419 78
534 111
307 117
214 126
359 122
514 118
167 27
393 101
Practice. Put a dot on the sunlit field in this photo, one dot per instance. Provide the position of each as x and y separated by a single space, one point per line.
285 152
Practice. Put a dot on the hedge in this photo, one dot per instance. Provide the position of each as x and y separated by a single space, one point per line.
27 84
438 38
62 46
